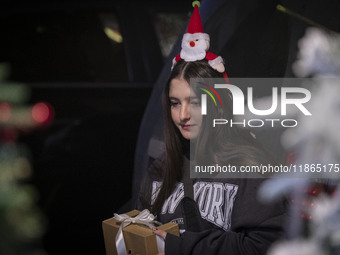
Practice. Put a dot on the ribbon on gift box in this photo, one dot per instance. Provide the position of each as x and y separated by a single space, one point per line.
145 218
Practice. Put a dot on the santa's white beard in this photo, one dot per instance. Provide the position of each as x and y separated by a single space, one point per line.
197 52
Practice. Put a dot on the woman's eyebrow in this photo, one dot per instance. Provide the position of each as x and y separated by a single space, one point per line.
186 98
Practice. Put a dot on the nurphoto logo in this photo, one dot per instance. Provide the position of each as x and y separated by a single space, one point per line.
280 98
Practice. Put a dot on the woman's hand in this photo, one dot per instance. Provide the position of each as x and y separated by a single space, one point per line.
160 233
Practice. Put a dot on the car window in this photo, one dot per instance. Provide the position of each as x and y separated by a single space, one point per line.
82 46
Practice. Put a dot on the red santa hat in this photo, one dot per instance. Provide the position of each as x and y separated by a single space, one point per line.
195 23
195 44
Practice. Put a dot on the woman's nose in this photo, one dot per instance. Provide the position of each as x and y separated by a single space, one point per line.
185 112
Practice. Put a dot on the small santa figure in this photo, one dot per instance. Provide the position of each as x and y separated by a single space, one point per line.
195 44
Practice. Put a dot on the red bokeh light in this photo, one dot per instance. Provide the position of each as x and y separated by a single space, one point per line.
42 113
5 112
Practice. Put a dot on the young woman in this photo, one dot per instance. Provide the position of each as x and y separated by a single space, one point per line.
215 216
232 220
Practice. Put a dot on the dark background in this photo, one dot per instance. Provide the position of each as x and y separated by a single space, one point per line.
88 162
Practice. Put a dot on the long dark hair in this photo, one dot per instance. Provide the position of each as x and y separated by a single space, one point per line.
234 145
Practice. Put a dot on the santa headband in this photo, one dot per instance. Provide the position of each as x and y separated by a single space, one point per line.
195 44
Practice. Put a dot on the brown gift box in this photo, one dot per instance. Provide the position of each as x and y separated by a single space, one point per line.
137 237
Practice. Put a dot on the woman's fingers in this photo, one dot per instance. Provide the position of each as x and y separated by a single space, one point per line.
159 232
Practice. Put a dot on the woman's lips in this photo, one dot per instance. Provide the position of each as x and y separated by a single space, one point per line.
187 127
